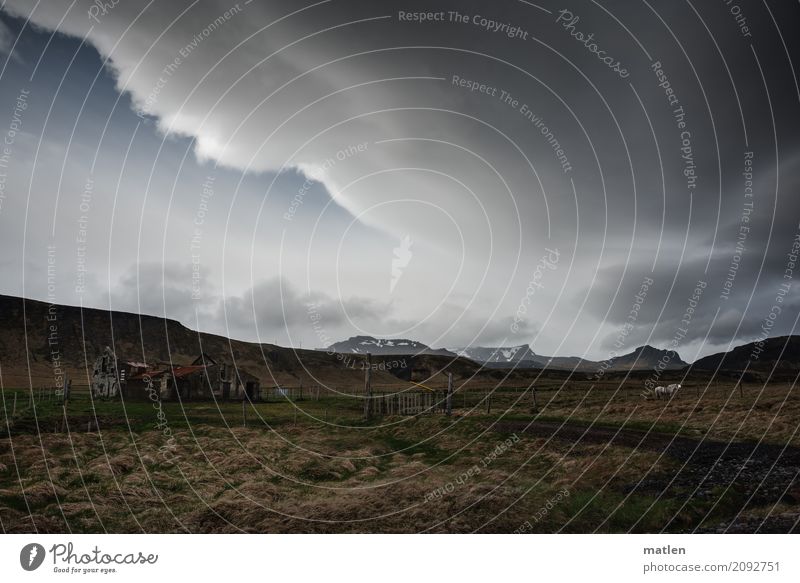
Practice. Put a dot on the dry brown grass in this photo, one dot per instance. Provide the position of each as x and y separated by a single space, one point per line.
268 485
771 414
311 477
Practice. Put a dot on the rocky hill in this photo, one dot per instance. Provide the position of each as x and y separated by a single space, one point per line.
781 354
36 336
646 357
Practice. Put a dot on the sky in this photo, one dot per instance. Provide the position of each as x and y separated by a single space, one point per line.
584 177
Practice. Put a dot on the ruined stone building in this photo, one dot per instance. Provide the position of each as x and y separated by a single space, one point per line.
205 378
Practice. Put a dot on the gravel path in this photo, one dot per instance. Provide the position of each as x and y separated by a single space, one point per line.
756 475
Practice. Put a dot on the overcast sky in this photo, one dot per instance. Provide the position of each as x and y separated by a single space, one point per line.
491 175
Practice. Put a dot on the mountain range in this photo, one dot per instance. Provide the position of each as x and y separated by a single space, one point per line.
35 337
643 357
40 342
781 354
368 344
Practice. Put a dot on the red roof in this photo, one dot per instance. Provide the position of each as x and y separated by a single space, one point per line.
182 371
153 374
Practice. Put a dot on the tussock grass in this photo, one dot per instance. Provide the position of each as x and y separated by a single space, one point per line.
278 475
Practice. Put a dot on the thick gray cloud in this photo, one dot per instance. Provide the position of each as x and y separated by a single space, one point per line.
334 132
276 305
6 39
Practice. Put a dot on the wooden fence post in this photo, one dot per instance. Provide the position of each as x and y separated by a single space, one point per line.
244 413
449 409
367 387
14 410
489 404
533 393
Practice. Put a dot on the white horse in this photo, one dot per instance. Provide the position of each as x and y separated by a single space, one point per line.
666 392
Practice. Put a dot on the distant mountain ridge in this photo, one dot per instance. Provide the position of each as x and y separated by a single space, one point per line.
781 354
27 355
644 357
510 354
380 346
648 357
520 356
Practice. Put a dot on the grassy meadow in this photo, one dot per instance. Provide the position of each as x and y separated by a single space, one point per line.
318 466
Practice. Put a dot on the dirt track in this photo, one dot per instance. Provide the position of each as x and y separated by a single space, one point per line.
757 475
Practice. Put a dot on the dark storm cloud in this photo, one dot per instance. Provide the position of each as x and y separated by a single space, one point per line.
6 38
165 290
275 304
510 108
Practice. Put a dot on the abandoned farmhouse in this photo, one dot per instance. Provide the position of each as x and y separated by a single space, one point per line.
205 378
